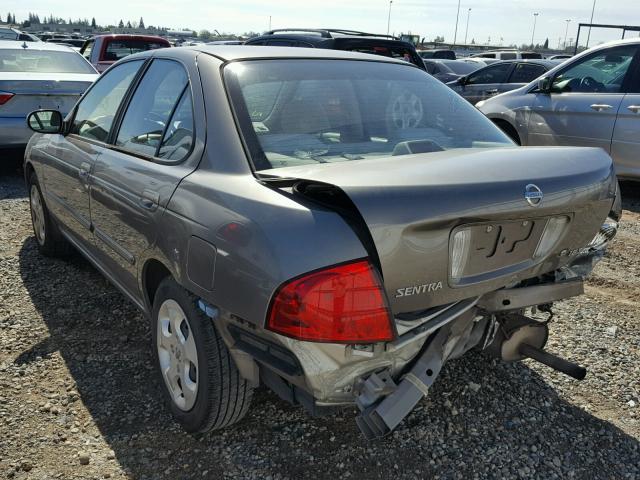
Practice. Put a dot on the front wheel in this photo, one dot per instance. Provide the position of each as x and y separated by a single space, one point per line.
200 381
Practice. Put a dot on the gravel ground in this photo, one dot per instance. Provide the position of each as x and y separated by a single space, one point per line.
79 400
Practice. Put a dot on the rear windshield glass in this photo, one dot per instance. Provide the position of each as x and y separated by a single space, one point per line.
117 49
296 112
462 68
42 61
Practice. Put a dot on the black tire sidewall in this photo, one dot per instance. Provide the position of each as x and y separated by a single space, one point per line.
202 329
50 234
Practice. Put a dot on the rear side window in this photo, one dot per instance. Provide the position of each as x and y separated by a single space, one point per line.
178 136
96 111
151 107
526 72
508 56
531 55
493 74
117 49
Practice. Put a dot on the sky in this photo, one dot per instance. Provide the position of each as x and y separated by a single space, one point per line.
509 20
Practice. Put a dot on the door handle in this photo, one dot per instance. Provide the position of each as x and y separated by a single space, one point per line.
634 108
149 199
599 107
491 92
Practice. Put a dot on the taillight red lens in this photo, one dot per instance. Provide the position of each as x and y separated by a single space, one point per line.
341 304
5 97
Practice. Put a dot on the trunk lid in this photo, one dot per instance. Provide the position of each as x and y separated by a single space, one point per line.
34 91
415 205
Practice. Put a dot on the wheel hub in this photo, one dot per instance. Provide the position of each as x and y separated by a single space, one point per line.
177 354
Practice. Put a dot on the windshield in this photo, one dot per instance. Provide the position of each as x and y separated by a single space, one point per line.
43 61
296 112
462 68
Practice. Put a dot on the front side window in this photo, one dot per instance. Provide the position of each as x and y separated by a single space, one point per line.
151 107
97 110
117 49
325 111
526 72
493 74
42 61
602 72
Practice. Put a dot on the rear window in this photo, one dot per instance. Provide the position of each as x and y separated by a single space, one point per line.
508 56
117 49
42 61
296 112
531 55
462 68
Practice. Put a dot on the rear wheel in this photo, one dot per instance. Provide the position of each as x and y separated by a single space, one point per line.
50 241
200 381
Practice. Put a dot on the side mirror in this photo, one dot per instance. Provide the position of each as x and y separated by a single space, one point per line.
45 121
544 85
462 80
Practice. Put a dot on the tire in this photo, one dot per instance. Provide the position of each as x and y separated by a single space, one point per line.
50 241
221 396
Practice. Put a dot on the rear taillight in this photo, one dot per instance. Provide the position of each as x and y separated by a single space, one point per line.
5 97
341 304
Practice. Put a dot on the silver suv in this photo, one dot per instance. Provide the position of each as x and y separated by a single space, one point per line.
592 100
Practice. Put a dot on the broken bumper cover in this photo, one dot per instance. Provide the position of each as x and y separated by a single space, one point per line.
384 404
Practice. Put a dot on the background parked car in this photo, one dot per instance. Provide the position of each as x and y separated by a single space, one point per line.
438 53
499 77
7 33
348 40
449 70
561 56
591 100
104 50
508 55
35 76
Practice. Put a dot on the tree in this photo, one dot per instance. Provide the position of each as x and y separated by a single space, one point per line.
93 22
141 23
129 24
546 44
204 35
120 25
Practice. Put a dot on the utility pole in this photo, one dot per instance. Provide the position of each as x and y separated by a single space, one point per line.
566 31
466 32
389 17
269 22
535 19
593 9
455 35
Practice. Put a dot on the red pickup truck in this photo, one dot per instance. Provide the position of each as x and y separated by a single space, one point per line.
104 50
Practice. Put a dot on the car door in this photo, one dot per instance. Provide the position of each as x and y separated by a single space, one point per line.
522 74
583 103
625 146
484 83
136 175
68 159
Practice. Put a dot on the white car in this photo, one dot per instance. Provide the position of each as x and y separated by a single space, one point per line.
34 76
591 100
508 55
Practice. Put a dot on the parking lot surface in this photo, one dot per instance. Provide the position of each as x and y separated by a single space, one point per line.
79 398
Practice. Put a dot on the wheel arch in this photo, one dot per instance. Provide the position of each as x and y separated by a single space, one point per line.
153 272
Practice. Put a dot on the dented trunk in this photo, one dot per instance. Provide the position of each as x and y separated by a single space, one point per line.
447 226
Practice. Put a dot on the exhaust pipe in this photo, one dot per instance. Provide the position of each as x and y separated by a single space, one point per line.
550 360
519 337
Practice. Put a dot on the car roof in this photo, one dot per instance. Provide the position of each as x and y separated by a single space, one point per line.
14 44
537 61
125 36
253 52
